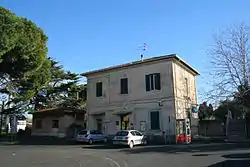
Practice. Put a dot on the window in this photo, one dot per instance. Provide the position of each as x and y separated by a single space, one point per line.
153 81
98 89
55 123
133 133
84 132
92 132
155 120
99 132
138 133
186 87
122 133
38 124
124 85
117 123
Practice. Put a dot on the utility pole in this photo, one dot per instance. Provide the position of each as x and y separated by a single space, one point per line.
1 120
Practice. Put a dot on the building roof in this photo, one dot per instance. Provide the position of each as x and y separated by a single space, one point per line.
154 59
59 111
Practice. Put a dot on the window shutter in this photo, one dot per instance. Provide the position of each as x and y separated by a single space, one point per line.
157 81
152 82
121 86
98 89
155 120
124 85
147 80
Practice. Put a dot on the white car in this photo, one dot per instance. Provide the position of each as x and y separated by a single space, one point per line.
129 138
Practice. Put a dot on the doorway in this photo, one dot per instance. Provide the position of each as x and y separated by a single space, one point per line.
99 124
124 122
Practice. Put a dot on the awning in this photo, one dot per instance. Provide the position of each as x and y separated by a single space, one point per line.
122 113
97 113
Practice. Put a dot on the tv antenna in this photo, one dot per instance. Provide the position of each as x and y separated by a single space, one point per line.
143 49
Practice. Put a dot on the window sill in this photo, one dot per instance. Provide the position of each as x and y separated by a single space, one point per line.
123 94
155 130
100 98
154 90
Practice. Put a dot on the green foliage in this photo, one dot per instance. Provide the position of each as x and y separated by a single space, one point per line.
242 96
62 90
22 47
229 105
23 59
205 111
29 79
76 98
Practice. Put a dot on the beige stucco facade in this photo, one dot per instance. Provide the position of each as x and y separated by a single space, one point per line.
139 103
64 122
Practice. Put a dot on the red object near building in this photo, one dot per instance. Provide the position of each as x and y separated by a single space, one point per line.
189 139
181 139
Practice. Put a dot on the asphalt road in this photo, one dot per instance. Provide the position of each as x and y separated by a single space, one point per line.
213 155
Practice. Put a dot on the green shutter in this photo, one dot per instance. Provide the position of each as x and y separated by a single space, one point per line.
157 81
98 89
124 85
155 120
147 81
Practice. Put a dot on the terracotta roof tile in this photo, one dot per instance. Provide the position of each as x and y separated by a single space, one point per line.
166 57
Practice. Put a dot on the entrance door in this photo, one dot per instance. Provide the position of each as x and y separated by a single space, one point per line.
125 122
99 124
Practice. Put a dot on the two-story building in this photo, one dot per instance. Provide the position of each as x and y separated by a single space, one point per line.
147 95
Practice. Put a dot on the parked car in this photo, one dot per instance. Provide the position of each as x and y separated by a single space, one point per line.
129 138
91 136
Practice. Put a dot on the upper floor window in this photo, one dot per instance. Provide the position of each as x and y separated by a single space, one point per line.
186 87
124 85
153 81
98 89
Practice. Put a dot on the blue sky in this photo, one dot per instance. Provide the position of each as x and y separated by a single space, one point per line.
91 34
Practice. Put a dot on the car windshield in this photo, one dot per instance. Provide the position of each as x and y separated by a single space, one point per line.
122 133
83 132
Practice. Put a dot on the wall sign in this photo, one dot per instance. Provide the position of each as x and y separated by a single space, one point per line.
143 126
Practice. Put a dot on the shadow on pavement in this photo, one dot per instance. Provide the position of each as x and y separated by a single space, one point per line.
232 163
103 146
201 155
241 160
190 148
38 141
239 155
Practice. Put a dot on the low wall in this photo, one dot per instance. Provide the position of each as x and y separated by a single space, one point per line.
211 128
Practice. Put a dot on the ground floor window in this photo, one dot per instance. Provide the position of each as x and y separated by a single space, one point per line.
155 120
38 124
55 123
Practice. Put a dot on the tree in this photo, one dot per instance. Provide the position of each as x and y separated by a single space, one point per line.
205 111
76 97
23 59
62 90
228 105
23 45
230 56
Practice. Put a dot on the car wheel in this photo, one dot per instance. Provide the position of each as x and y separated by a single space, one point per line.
131 144
90 141
145 142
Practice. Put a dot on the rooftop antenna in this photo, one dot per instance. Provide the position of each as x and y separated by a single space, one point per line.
143 48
